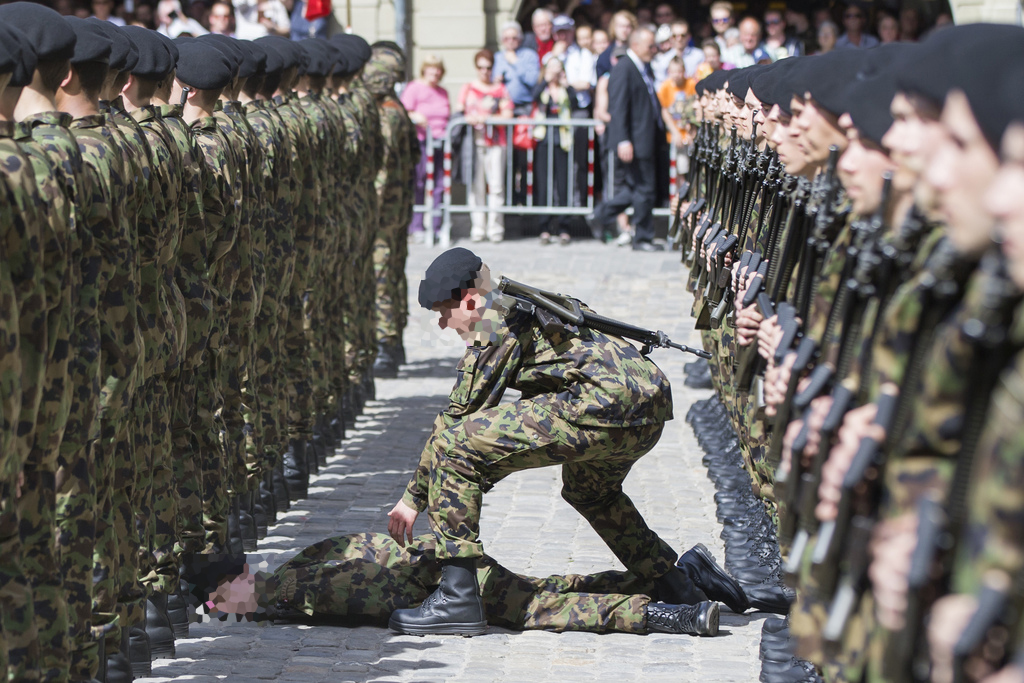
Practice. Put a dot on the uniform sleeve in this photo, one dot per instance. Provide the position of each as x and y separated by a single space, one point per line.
483 374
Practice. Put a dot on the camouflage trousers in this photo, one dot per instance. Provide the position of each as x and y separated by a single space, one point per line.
370 576
181 389
10 368
268 367
471 457
389 253
19 649
232 374
299 391
209 431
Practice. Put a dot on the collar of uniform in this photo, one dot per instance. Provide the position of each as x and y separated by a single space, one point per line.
167 111
204 123
90 121
234 106
51 118
219 105
146 113
8 129
104 106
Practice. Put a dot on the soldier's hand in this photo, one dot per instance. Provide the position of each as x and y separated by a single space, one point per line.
768 335
892 544
949 617
775 384
400 521
748 322
792 430
856 425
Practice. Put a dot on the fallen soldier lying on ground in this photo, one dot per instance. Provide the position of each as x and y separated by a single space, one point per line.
368 576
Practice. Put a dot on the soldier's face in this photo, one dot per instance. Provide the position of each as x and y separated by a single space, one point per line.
819 131
860 170
1005 201
461 315
754 114
914 135
771 123
960 173
787 137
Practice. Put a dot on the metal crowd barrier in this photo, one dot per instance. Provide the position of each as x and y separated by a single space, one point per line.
448 209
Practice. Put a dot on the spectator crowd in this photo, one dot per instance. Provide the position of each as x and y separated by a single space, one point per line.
587 41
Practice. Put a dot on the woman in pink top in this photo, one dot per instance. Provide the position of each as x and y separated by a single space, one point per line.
427 104
480 100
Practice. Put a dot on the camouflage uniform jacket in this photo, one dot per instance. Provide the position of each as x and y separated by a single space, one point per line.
190 266
307 207
113 262
26 232
395 178
220 207
586 377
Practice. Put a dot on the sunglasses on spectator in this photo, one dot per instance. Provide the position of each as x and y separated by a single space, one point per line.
773 22
853 15
485 67
726 20
680 35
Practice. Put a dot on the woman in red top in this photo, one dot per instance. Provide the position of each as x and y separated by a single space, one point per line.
479 100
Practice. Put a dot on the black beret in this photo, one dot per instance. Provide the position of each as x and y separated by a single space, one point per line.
201 65
169 44
363 49
939 65
713 81
739 80
50 36
765 81
91 43
16 56
226 45
274 59
868 101
121 45
291 54
827 76
25 69
322 56
255 59
450 272
155 61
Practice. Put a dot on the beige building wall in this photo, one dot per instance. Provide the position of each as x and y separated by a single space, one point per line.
451 29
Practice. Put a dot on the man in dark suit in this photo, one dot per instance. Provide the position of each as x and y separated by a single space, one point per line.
636 131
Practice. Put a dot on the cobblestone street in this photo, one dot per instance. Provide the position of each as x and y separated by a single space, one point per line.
526 525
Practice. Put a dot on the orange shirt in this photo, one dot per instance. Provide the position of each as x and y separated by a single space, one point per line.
674 99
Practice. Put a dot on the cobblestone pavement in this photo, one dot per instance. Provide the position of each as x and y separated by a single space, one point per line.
526 525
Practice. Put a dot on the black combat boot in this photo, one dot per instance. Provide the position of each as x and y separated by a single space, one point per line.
118 665
234 528
296 474
267 501
259 511
320 443
279 481
455 608
699 564
349 405
246 522
369 386
676 588
158 627
694 620
386 365
138 651
177 612
398 351
101 672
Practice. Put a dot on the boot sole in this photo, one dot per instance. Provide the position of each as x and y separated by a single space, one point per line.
468 629
711 621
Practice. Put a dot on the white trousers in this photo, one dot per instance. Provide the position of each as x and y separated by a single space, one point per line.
488 189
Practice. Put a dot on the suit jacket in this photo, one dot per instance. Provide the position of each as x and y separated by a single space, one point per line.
635 112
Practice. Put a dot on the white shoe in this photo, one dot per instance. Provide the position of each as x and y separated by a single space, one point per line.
624 240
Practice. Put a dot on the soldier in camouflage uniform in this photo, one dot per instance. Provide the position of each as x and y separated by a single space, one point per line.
207 72
370 575
31 285
364 107
394 187
596 421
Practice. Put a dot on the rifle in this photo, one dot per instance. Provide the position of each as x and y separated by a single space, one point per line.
861 494
555 311
990 632
940 530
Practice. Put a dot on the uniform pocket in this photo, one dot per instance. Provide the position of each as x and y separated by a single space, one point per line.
466 369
